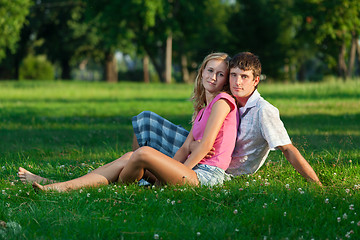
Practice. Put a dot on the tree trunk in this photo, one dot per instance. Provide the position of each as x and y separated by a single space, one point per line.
168 59
146 68
342 69
302 73
159 66
354 43
65 69
111 74
184 69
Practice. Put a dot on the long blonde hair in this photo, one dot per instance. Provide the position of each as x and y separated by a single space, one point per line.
198 96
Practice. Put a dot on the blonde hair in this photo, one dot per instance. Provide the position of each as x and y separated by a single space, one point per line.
198 96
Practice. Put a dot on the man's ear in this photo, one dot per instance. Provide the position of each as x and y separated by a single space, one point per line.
256 81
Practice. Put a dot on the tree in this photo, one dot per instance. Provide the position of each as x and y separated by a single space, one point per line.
335 25
62 28
200 28
12 18
265 28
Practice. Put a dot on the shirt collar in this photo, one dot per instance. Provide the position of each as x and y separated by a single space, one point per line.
251 102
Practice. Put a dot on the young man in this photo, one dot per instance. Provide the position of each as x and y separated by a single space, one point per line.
260 129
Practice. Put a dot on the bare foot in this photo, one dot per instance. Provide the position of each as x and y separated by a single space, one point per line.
51 187
37 187
28 177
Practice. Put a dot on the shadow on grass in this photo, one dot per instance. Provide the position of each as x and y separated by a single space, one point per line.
33 132
100 100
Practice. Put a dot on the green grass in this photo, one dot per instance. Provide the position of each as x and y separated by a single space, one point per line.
62 130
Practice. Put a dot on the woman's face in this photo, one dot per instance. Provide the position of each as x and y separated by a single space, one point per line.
214 76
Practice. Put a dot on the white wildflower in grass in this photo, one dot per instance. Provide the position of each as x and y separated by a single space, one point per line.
99 190
88 195
345 216
235 211
326 200
357 186
347 235
287 186
351 207
285 214
156 236
14 227
236 230
265 205
334 173
80 191
247 184
338 219
3 167
358 223
198 234
172 202
347 190
168 201
352 222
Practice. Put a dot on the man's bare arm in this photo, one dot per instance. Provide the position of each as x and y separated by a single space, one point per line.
295 158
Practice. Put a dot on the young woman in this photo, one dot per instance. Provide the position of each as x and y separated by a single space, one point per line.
215 122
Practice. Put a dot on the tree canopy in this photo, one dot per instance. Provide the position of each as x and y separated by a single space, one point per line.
295 39
12 19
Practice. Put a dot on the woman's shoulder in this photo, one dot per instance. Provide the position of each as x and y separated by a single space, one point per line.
223 95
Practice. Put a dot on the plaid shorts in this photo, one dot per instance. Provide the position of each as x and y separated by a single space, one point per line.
157 132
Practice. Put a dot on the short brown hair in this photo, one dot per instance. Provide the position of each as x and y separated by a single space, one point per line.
246 61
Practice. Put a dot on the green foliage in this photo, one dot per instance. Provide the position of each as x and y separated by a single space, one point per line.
36 68
63 130
12 18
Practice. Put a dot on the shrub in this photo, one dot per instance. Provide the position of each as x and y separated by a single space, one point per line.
36 68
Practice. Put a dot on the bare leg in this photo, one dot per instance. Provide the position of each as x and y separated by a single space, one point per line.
135 144
28 177
100 176
165 169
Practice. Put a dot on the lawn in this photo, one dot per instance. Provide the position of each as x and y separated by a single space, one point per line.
63 130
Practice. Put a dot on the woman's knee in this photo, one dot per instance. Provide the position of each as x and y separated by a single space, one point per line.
141 155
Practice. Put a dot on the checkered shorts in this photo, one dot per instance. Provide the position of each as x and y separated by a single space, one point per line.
157 132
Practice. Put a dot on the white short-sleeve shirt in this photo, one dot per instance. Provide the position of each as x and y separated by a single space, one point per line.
260 131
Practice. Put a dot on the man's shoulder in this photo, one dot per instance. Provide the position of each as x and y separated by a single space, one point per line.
264 104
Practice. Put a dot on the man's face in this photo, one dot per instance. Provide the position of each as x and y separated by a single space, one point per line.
242 84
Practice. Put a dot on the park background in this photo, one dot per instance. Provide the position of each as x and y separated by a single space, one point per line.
164 40
73 76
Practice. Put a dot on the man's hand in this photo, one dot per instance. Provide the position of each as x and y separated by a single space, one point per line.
194 144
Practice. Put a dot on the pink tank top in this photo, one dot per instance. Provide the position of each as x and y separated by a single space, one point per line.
225 140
